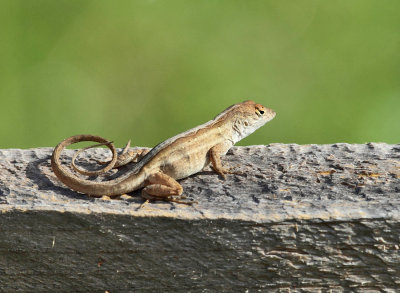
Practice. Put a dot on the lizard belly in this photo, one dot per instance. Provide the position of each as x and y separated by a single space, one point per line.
185 166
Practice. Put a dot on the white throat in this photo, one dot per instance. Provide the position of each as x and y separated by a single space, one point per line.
242 129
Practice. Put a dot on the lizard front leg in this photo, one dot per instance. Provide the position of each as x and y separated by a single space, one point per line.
160 186
215 158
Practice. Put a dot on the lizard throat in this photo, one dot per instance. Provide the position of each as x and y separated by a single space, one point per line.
242 129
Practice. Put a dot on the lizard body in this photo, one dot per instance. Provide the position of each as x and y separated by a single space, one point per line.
177 157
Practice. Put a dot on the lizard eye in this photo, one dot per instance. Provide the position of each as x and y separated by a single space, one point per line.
259 112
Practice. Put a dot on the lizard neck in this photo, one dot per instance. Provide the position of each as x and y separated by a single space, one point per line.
237 127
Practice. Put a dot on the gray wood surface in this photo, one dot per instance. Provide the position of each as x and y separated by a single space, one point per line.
294 218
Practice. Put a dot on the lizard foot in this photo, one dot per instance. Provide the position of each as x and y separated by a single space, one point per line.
177 199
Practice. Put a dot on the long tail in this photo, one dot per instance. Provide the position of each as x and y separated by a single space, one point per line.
120 185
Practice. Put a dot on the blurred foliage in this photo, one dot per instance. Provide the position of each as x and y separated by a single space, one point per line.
147 70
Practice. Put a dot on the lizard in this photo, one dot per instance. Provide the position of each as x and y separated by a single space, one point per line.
176 158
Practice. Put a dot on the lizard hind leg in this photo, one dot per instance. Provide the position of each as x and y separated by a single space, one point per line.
127 156
160 186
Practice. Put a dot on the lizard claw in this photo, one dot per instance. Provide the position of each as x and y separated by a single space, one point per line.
126 148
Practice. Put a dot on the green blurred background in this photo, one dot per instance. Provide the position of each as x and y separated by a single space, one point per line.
147 70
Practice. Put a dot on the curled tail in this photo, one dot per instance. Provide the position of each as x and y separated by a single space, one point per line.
120 185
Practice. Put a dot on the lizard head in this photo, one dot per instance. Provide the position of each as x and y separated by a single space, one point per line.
248 117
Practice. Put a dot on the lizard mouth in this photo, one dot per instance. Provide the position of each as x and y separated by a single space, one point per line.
270 114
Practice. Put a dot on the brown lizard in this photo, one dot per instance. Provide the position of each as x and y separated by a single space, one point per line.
176 158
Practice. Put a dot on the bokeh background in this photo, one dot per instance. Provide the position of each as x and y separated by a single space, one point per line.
149 69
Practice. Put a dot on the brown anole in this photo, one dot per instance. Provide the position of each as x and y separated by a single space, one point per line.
176 158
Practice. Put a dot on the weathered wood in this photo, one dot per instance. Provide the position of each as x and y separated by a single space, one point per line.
304 218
